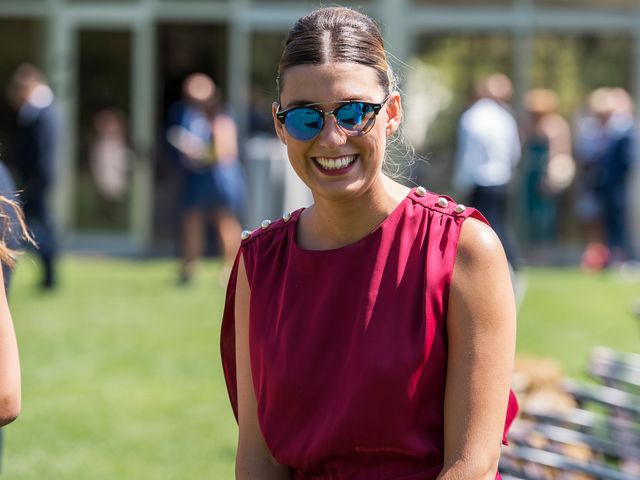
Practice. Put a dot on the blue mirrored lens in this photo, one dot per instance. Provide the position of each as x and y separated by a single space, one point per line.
303 123
355 116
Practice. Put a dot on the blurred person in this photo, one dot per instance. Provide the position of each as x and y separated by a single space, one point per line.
356 342
110 160
548 166
590 144
35 160
604 149
202 140
110 154
615 168
488 151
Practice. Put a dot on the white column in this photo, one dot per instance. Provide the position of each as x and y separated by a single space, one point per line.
522 52
59 62
239 45
143 102
392 17
239 53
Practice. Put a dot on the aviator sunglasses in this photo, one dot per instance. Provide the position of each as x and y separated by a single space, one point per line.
354 118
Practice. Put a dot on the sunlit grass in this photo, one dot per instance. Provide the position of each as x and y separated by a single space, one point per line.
121 375
566 312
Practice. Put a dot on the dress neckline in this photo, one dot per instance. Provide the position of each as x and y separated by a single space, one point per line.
398 209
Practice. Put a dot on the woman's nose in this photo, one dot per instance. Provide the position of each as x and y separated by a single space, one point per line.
331 134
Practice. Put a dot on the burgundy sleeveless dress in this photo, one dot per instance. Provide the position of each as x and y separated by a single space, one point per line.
349 346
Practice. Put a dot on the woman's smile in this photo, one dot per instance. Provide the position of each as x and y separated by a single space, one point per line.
335 165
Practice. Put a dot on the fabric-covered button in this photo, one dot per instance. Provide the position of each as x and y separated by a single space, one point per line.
421 191
442 202
265 223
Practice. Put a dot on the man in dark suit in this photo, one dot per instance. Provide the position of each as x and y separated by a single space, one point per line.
34 157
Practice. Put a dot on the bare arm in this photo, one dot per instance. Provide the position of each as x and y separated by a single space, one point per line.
481 327
226 139
253 459
9 363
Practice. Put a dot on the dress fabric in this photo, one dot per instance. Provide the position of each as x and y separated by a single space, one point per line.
349 345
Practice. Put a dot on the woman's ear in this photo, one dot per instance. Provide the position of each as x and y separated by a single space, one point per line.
279 127
394 114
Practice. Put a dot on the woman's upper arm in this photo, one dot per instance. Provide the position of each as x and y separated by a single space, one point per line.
253 459
481 326
10 388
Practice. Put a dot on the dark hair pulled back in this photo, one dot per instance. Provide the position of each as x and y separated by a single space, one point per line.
336 34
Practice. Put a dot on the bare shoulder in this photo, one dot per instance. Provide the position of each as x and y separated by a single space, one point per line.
481 291
479 246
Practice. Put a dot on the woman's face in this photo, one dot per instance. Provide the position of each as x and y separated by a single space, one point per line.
358 158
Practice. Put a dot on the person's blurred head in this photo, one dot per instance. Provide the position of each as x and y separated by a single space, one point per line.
540 101
497 87
199 88
24 81
109 122
601 104
621 101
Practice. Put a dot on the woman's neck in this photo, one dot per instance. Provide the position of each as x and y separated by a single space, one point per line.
332 224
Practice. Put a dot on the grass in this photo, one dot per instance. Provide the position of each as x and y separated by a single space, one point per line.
566 312
121 375
122 378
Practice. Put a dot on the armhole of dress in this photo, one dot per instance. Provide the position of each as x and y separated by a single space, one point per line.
228 334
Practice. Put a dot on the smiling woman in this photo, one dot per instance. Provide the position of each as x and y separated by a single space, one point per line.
355 342
335 155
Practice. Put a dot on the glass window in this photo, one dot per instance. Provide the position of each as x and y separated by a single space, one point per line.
102 169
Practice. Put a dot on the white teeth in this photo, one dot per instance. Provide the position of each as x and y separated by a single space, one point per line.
335 163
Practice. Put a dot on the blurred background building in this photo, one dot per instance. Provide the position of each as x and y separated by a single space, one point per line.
129 57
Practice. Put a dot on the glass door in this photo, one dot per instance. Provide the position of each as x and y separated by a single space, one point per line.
113 133
104 155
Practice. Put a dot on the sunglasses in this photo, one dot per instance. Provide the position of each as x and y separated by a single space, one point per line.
354 118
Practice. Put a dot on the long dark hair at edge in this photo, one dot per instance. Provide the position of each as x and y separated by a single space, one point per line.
11 219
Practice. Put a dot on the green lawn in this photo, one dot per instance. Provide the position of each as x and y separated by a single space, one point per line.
121 371
566 312
121 375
